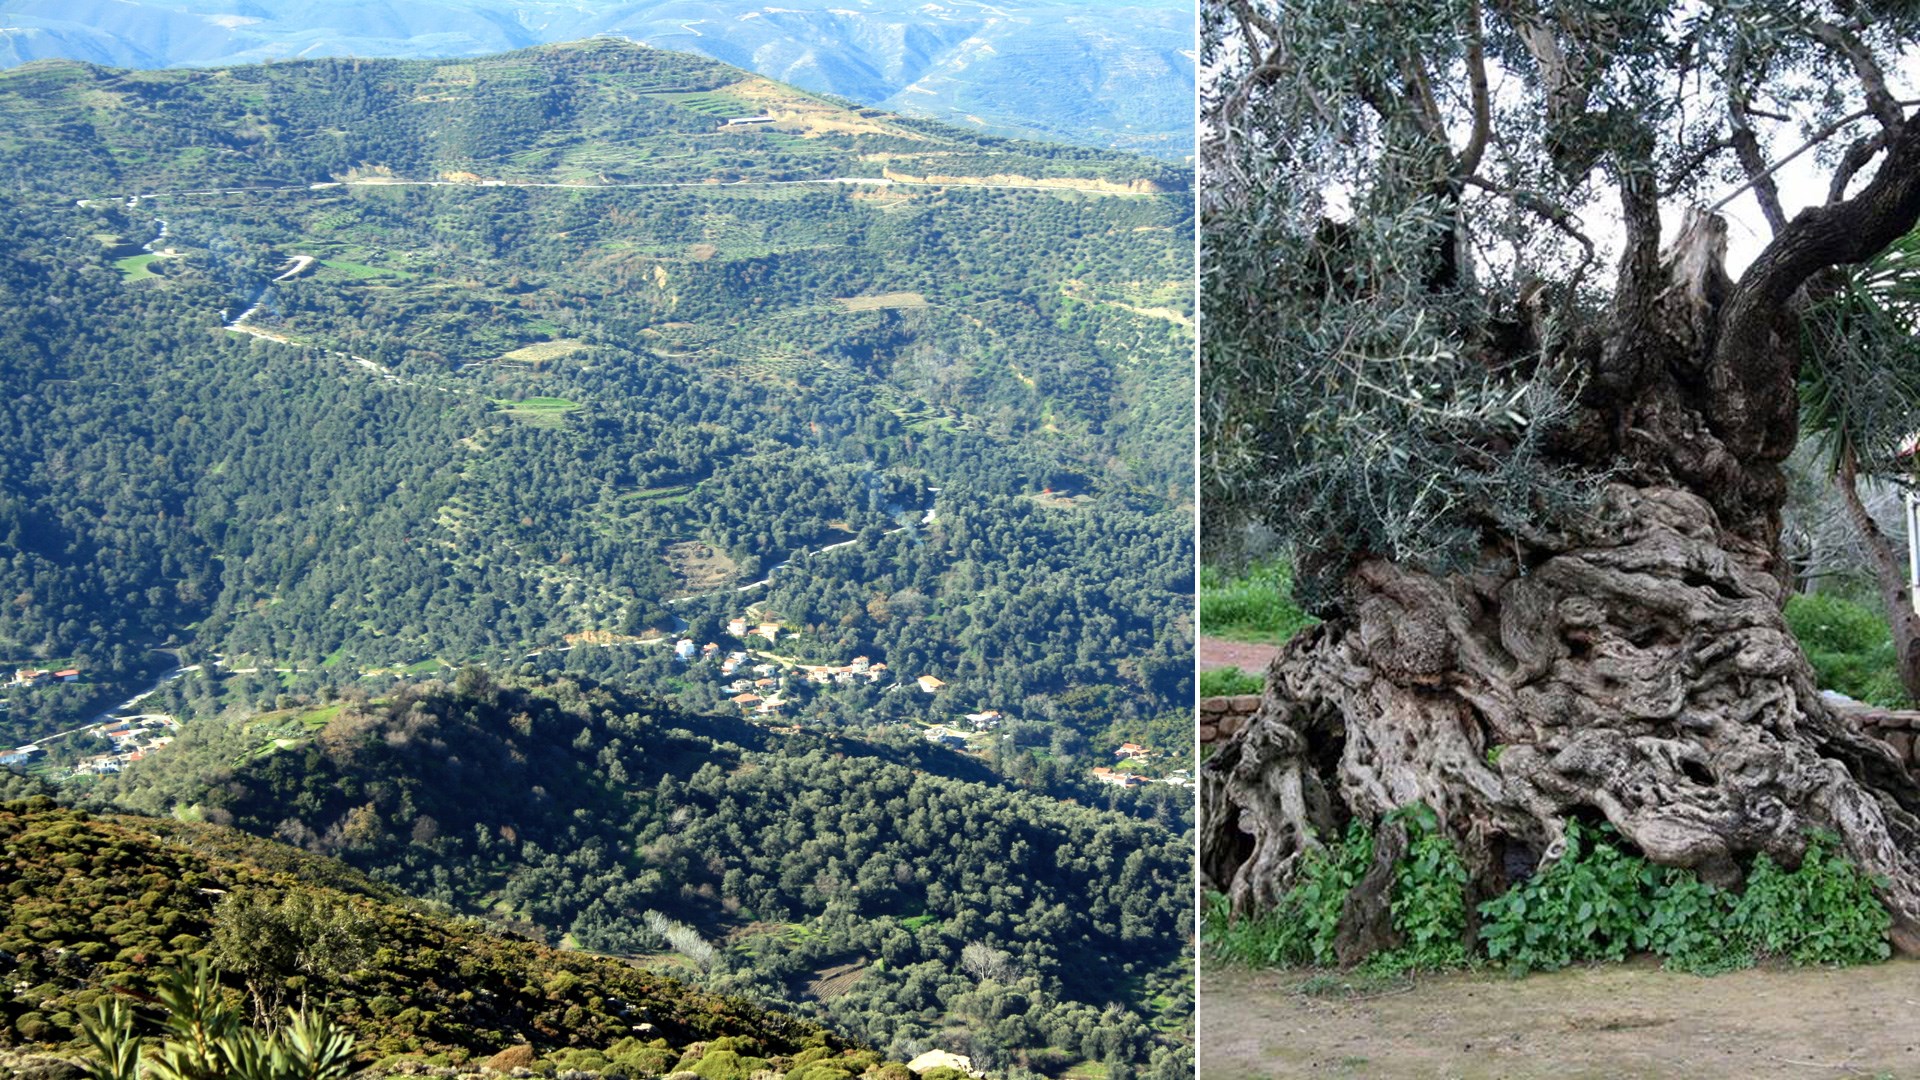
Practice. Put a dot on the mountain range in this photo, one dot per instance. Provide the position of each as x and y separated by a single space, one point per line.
1083 71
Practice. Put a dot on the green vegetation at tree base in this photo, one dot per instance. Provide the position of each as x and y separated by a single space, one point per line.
1850 647
1597 902
1255 604
1228 681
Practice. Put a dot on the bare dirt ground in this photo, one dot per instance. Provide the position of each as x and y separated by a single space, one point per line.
1610 1022
1245 655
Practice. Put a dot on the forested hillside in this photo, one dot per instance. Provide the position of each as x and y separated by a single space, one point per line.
151 895
902 894
337 398
803 504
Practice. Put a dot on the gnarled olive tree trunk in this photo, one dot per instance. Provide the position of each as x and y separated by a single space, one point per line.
1632 665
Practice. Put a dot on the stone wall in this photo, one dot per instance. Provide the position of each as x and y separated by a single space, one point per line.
1220 717
1900 730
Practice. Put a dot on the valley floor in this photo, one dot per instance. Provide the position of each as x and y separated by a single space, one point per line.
1611 1022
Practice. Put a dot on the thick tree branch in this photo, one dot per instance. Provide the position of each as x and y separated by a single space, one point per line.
1756 357
1636 295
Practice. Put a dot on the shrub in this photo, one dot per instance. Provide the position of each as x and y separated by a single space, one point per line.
1849 646
1254 606
1228 681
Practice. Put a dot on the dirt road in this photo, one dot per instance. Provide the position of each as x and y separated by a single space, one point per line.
1248 657
1612 1022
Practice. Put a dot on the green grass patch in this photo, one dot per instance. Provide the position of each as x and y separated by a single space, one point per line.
315 719
1256 605
136 267
354 271
546 411
1228 682
1850 647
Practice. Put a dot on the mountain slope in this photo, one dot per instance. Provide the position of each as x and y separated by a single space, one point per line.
394 366
1093 74
112 901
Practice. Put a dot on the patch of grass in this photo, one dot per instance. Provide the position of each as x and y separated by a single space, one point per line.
315 719
546 411
1850 647
353 271
1254 606
1229 682
136 267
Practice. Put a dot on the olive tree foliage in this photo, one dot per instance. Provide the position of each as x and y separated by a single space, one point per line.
286 948
1472 347
1429 229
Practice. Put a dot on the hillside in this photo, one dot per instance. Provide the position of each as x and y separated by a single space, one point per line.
1094 74
99 902
901 895
333 373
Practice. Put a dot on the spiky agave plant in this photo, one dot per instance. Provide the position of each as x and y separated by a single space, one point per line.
205 1037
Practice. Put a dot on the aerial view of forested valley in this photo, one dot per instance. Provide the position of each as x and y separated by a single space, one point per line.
582 547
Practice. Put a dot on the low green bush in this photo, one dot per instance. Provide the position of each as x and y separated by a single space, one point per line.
1229 681
1256 605
1850 647
1597 902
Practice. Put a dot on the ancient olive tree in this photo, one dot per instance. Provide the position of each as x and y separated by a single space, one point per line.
1471 345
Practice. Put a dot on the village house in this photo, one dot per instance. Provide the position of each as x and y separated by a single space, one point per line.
770 631
941 735
1115 777
929 684
32 677
744 700
684 649
984 721
737 628
1131 750
69 675
20 755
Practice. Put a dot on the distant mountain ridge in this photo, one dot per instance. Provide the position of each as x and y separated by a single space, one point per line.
1116 75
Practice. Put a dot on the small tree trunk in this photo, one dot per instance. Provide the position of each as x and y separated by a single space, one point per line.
1889 574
